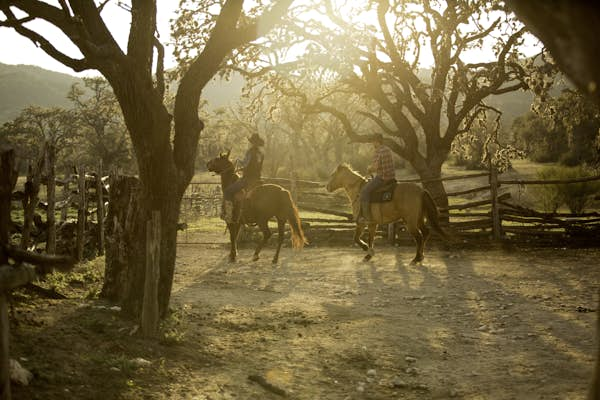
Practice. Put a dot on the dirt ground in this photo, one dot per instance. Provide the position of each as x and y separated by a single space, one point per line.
486 322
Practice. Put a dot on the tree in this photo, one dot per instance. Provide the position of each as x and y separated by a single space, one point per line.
104 132
165 145
570 31
40 134
375 52
532 134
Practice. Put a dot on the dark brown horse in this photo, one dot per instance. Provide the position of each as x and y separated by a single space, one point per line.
262 203
410 203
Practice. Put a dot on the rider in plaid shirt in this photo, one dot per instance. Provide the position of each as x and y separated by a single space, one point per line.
383 166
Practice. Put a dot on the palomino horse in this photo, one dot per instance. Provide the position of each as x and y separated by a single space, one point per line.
409 202
262 203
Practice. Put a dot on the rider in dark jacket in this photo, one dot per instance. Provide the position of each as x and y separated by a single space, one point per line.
252 167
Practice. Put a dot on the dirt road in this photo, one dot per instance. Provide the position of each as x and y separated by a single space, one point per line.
482 323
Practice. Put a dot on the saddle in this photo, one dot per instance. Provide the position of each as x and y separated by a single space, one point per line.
240 203
245 193
385 193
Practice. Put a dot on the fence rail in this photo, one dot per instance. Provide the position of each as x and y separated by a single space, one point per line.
492 215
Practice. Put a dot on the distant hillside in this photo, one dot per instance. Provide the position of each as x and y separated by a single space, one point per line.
24 85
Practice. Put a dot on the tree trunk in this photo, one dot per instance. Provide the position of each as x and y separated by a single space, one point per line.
8 178
100 210
50 161
81 213
431 174
161 188
120 219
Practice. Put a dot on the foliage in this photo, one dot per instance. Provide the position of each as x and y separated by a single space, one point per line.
370 55
576 196
290 138
565 128
35 127
532 134
103 130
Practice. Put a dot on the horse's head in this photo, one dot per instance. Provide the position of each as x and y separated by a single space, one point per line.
220 164
337 178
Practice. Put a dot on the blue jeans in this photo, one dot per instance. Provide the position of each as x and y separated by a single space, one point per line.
372 185
230 191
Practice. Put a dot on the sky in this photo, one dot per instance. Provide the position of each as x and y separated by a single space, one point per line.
16 49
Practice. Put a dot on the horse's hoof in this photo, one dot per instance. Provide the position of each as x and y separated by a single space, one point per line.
231 259
365 248
255 258
416 261
274 261
367 257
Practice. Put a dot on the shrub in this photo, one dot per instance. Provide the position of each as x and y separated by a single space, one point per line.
576 196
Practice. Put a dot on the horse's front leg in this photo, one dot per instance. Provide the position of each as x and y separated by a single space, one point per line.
357 234
266 232
234 229
370 250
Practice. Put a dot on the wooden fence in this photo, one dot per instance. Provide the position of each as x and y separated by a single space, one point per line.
480 206
82 192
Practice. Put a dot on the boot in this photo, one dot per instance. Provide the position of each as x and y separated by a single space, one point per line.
227 212
364 214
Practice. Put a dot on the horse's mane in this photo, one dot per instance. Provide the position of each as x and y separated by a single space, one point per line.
349 168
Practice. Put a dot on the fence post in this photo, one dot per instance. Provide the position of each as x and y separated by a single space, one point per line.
32 189
496 221
81 213
100 210
50 161
150 302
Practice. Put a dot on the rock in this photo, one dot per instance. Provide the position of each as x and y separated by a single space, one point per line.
453 393
140 362
371 372
410 359
399 383
422 386
18 374
412 371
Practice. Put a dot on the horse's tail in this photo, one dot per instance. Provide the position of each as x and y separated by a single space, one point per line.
298 239
432 213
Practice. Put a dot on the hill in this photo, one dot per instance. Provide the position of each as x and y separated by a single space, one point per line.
24 85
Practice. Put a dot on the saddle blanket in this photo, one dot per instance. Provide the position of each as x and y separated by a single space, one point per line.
384 194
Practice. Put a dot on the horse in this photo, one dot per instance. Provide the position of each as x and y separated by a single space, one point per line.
261 203
409 202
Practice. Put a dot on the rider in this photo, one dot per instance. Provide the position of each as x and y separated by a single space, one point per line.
383 167
252 167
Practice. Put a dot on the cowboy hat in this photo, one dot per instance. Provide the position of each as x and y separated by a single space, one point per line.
256 140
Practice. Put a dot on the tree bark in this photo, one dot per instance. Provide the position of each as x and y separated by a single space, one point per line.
120 219
100 210
8 178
